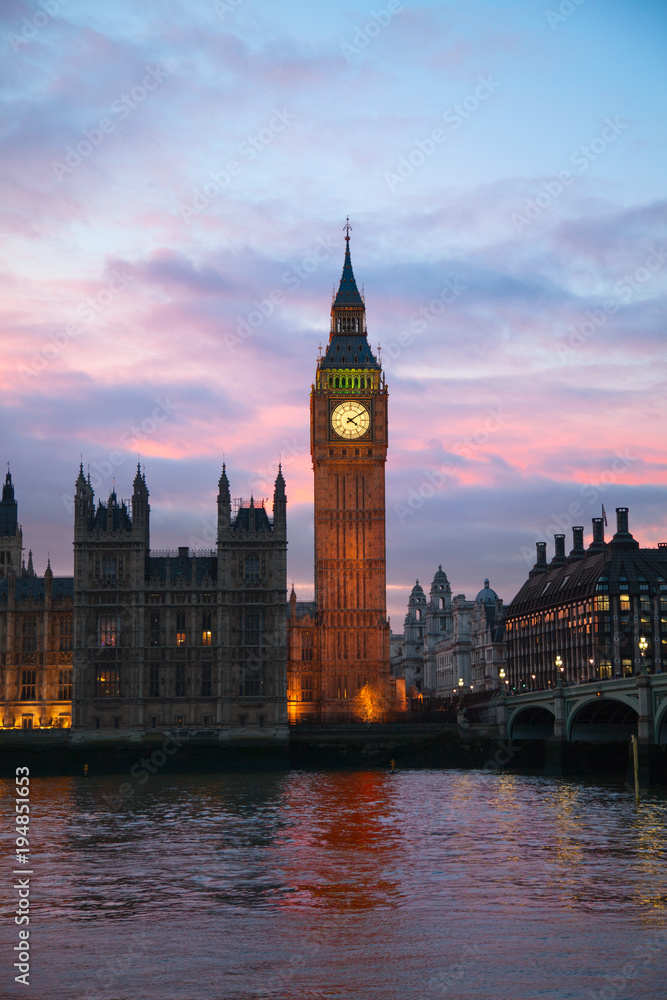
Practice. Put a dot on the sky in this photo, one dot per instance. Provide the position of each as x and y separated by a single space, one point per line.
176 179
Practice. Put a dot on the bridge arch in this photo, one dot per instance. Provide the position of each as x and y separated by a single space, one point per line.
661 722
532 722
603 720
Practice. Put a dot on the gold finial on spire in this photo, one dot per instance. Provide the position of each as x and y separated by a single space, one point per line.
347 227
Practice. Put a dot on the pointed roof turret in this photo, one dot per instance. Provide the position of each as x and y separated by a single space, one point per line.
348 340
8 508
279 488
31 568
223 483
8 488
348 293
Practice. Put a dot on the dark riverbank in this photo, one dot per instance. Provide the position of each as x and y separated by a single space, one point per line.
182 751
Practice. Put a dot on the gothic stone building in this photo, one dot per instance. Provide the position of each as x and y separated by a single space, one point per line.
35 632
340 643
185 639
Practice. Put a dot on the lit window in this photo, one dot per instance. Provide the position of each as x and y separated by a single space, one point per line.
108 630
107 683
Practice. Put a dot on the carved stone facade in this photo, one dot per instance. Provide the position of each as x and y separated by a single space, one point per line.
178 639
450 639
36 638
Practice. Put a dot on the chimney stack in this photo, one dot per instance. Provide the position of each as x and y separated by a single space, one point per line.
577 542
597 545
623 538
559 554
541 564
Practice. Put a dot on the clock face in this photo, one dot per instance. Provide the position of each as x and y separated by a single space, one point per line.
350 419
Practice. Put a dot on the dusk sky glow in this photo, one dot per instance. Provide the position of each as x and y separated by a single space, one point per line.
176 178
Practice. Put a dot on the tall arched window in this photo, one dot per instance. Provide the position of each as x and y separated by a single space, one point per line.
336 382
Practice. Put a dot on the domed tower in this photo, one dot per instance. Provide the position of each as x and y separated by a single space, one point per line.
438 623
487 597
487 639
413 634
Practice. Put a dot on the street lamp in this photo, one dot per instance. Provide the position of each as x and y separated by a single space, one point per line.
643 646
533 684
460 693
559 669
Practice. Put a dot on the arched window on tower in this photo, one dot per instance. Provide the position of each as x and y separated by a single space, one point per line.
336 382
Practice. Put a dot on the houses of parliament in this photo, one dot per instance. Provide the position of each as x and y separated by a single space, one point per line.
137 639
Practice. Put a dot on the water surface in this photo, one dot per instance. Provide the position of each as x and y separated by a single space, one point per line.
365 884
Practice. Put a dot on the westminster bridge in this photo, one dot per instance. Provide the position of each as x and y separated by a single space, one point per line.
597 711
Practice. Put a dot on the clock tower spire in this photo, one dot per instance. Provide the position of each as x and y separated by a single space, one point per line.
348 410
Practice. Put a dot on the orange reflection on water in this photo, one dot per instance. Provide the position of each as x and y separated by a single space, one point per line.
346 829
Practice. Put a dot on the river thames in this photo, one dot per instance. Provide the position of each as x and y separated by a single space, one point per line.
341 884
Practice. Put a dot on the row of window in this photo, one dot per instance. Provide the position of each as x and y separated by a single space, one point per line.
251 682
251 628
28 685
350 381
29 633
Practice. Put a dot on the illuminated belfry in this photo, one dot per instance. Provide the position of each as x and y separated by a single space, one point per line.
341 643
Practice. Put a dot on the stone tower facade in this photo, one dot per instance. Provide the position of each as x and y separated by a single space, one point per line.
11 535
178 638
348 420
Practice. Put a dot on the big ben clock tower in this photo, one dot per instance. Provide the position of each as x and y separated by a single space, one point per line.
348 421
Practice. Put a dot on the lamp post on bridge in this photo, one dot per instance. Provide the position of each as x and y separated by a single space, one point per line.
643 646
559 671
